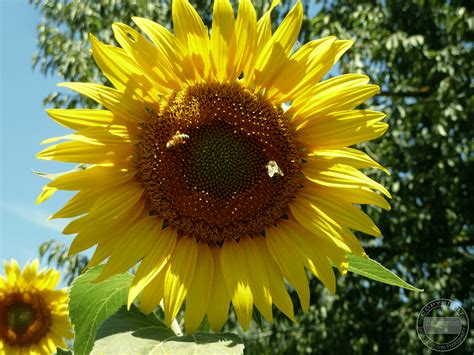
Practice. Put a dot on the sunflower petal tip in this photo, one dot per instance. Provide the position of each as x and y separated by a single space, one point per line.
70 252
332 288
129 302
100 278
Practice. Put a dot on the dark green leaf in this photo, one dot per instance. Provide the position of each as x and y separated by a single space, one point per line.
373 270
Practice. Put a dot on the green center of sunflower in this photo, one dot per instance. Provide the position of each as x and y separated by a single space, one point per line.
217 162
222 161
19 316
24 318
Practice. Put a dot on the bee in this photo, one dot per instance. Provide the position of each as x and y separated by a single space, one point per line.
178 138
273 169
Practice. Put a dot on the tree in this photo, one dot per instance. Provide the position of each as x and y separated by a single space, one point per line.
420 52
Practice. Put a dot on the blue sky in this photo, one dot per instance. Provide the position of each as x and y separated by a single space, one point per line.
24 124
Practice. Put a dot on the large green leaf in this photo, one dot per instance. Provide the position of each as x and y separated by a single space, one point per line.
375 271
92 303
131 332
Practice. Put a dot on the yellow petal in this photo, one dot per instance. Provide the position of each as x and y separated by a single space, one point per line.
107 207
163 39
325 226
110 135
153 293
46 193
85 153
320 62
352 194
81 203
223 38
347 156
343 213
315 261
219 298
339 175
127 253
341 129
123 72
237 278
280 296
172 51
179 276
275 52
113 100
12 271
197 299
148 58
192 34
264 26
259 283
101 252
304 64
93 177
153 263
112 228
246 39
325 246
290 263
264 32
83 118
340 93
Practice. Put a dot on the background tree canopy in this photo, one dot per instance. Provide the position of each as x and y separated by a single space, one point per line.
420 52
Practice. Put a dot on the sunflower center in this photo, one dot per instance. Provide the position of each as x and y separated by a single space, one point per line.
24 318
218 161
221 161
19 316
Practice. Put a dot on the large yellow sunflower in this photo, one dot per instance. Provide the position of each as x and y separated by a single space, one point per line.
220 161
34 317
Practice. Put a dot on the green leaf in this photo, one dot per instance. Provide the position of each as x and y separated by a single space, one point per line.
373 270
131 332
92 303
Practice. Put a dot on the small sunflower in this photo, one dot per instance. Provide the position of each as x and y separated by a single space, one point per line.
220 162
34 317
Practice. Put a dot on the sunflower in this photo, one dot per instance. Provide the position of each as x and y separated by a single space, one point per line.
33 316
220 162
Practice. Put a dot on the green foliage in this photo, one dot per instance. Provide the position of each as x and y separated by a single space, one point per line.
92 303
420 52
56 253
132 332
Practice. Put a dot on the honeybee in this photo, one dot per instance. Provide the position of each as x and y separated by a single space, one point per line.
178 138
273 169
